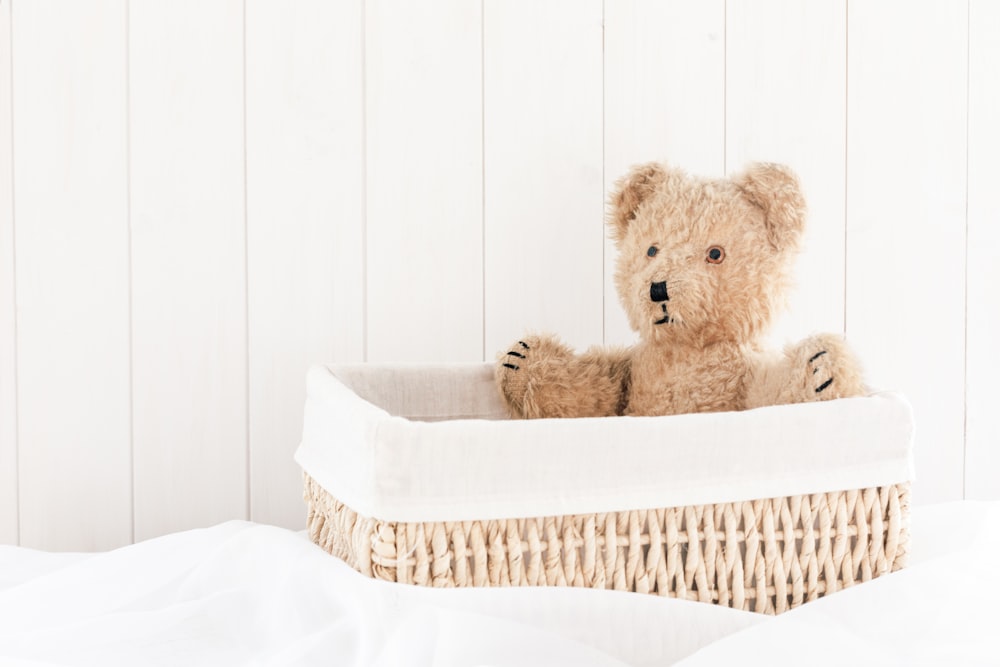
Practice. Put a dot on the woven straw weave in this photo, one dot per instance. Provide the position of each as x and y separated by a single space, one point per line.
764 555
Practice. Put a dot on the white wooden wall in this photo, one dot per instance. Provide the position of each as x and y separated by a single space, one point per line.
199 199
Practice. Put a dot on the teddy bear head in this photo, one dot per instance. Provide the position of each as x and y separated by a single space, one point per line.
704 261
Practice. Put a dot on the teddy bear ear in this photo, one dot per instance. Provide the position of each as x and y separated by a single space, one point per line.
775 190
630 191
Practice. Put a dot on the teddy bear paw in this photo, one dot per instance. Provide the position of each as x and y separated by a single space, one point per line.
829 369
517 356
513 373
535 376
821 372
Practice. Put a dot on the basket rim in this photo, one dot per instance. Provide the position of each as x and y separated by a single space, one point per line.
405 470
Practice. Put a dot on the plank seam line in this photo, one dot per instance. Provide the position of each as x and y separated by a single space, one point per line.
965 342
364 181
847 126
482 156
604 169
13 268
246 285
128 232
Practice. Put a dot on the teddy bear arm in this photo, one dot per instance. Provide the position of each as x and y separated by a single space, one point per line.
539 376
817 368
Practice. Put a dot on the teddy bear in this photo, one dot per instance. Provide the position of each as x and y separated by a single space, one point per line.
703 266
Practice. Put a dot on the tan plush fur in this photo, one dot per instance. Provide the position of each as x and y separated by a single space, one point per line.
702 269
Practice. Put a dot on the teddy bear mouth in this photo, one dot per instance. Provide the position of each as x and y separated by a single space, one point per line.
665 319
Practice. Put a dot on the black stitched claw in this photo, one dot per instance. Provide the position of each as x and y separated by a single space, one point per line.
816 356
523 344
824 385
515 354
513 367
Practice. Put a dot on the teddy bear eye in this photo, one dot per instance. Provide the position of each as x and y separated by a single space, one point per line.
715 255
652 251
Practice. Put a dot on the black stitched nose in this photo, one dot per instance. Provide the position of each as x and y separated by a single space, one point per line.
658 292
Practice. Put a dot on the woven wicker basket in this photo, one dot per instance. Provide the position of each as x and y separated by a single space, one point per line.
411 473
766 555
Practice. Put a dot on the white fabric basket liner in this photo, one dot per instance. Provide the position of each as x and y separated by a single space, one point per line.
432 443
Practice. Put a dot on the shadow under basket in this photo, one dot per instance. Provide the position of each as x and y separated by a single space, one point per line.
399 462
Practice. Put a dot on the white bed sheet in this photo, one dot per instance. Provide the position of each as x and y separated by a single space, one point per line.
940 611
248 594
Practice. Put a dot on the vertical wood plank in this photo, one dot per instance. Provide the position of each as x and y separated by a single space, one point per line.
424 181
305 134
664 99
70 180
543 170
786 86
188 264
8 328
906 215
982 467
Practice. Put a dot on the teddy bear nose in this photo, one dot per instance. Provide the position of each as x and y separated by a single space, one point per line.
658 292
